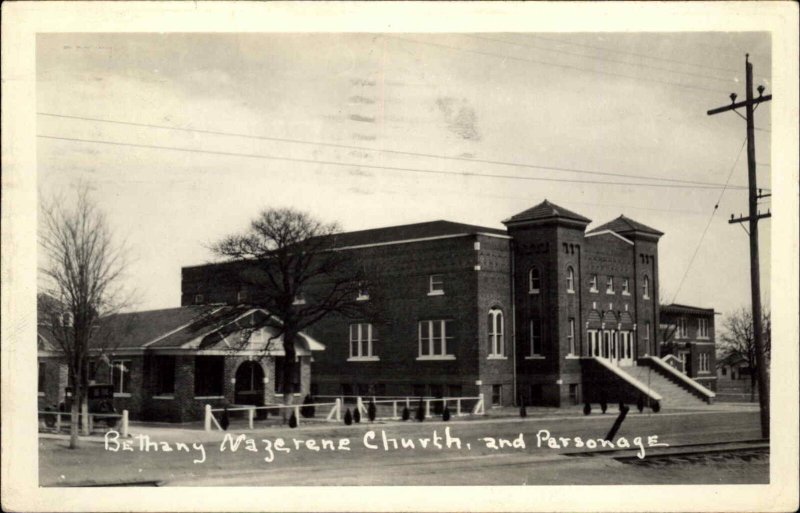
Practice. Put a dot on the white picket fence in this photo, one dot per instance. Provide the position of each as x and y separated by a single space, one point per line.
87 428
334 414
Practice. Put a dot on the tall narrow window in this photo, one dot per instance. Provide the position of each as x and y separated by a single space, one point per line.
121 376
165 374
534 280
496 339
610 285
626 287
593 283
682 332
646 336
42 374
702 328
570 280
362 337
435 339
209 376
646 287
571 336
594 343
536 337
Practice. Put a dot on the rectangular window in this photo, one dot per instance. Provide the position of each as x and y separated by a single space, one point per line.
346 389
380 389
435 285
241 296
299 299
418 390
536 337
593 283
610 285
703 364
646 336
573 393
198 299
496 339
363 292
362 338
497 395
571 336
594 343
121 376
454 390
362 389
42 371
682 332
626 287
702 328
209 376
165 374
435 339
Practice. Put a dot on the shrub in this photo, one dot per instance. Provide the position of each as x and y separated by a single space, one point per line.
372 410
348 417
293 421
587 409
420 411
523 412
640 405
357 415
603 406
307 411
656 407
406 413
446 414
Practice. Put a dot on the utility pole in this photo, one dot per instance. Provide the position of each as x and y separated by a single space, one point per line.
754 215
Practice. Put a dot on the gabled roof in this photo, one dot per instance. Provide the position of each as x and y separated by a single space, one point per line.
135 329
409 232
545 211
624 225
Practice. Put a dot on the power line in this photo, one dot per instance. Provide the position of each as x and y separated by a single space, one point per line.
371 166
603 59
710 218
624 52
395 152
564 66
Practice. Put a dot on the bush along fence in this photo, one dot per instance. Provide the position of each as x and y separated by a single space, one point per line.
60 420
374 408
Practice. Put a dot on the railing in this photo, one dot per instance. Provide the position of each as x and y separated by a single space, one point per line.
628 378
47 416
394 405
680 376
335 412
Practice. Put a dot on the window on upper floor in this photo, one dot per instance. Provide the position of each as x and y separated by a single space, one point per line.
646 287
435 285
570 280
534 280
593 283
610 285
702 328
198 299
681 331
363 292
362 338
496 338
435 339
299 299
535 337
626 287
703 363
241 296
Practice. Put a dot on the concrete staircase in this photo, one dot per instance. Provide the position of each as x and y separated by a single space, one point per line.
674 395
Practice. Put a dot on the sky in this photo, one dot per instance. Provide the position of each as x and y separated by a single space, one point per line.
409 126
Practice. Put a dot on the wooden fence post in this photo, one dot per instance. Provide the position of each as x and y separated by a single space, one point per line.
207 425
250 414
124 423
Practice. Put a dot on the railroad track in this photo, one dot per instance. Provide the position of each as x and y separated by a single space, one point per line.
756 450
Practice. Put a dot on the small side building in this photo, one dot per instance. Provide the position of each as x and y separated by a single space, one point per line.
166 365
688 342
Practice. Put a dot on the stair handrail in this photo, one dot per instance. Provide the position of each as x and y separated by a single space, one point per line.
681 376
629 379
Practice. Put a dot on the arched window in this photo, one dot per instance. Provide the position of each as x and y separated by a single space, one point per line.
570 280
534 280
496 338
646 287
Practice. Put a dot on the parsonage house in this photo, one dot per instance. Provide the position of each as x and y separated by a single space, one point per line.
542 312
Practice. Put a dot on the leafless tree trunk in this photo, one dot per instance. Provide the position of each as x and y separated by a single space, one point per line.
81 276
738 341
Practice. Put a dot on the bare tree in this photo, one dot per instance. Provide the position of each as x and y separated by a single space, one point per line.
737 341
81 274
288 257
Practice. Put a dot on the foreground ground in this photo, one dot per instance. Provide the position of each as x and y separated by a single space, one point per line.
476 463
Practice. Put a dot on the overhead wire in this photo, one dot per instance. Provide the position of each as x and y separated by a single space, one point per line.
389 151
708 224
553 64
371 166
